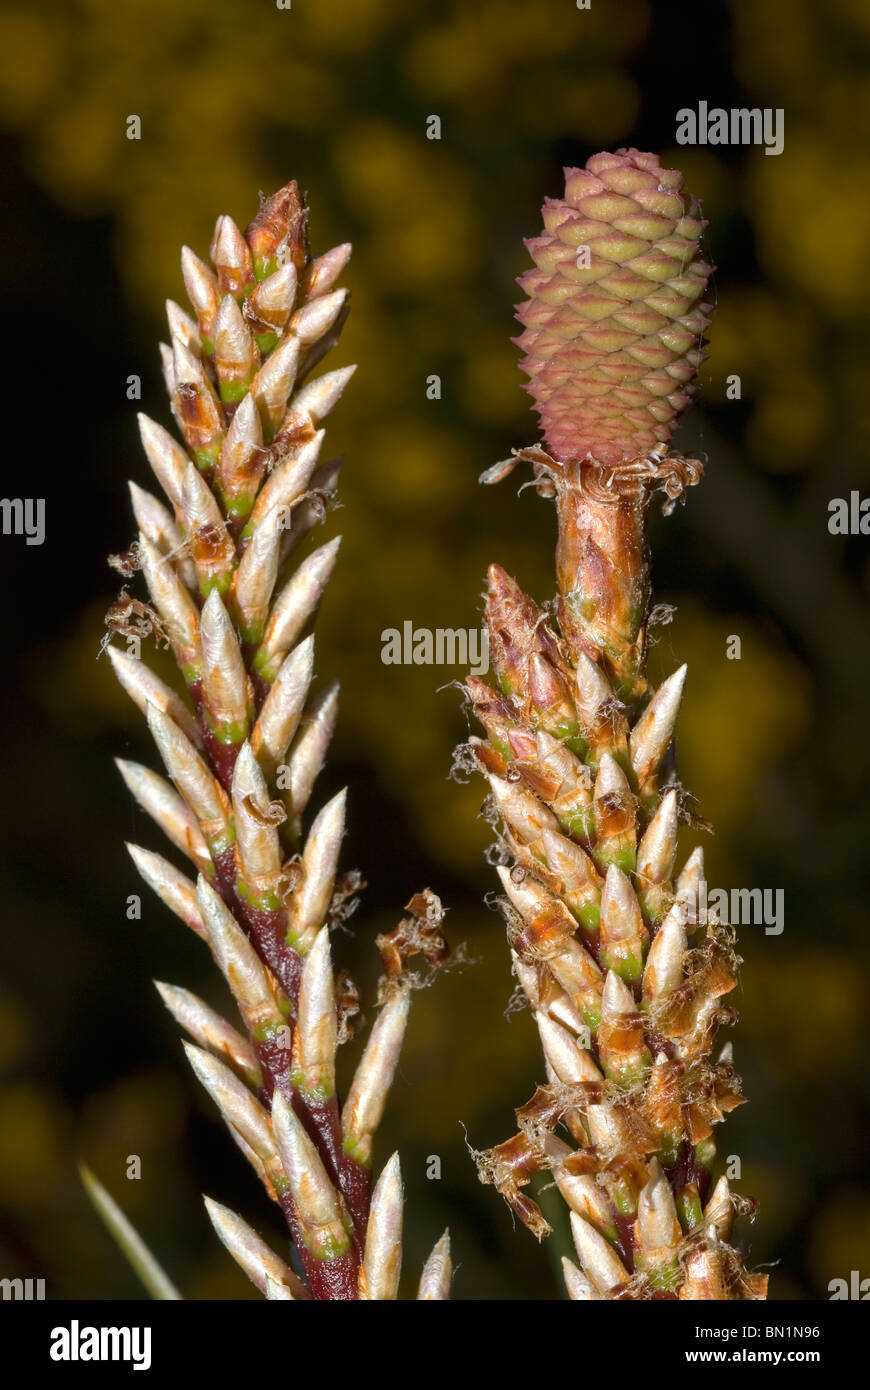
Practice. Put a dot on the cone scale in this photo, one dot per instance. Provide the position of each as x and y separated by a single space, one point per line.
626 988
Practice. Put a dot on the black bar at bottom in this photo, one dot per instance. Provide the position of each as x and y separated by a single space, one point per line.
245 1342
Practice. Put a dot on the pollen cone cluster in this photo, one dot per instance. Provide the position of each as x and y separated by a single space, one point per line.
627 983
615 317
242 742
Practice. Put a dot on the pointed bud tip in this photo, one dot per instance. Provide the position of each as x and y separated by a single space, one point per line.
617 998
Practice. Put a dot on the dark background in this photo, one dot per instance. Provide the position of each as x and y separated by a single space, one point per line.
237 97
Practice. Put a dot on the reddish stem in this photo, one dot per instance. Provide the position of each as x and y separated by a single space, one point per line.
267 929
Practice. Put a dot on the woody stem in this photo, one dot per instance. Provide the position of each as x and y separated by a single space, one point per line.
602 564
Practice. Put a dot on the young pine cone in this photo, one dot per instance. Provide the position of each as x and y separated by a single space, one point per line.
616 314
627 984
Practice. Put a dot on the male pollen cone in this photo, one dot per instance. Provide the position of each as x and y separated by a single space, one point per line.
616 314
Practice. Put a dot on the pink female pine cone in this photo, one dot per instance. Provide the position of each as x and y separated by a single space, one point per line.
626 978
616 312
